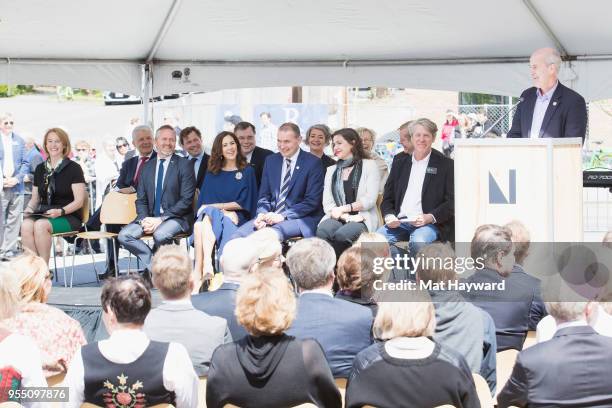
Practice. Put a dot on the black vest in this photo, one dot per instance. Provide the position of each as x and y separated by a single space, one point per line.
126 385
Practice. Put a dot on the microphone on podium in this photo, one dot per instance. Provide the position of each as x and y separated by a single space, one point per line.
521 99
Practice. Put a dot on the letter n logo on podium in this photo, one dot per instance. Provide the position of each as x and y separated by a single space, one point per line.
499 195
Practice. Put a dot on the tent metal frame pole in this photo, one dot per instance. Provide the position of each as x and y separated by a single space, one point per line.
534 12
146 92
161 34
281 63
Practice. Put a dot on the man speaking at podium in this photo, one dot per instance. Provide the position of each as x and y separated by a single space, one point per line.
548 109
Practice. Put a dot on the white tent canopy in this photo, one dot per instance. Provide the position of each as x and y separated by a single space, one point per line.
470 45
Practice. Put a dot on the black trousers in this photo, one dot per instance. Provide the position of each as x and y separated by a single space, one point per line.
340 235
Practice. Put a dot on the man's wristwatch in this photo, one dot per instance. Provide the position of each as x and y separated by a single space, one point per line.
63 212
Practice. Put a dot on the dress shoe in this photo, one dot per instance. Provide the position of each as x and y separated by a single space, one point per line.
146 277
108 273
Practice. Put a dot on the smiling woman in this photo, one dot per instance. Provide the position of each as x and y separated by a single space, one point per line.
227 200
317 139
57 198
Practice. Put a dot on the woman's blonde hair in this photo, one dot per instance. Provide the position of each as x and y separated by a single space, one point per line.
31 272
9 294
268 247
265 302
404 319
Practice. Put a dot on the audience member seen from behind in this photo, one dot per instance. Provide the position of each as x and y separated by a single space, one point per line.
368 139
407 368
342 328
460 325
20 361
570 370
176 319
269 368
318 138
599 317
128 367
510 308
268 249
236 261
356 277
58 194
228 199
57 336
349 194
521 242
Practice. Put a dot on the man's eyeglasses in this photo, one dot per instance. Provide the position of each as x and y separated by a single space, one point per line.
122 145
81 150
8 123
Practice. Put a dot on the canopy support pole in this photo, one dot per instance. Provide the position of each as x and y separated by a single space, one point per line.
146 92
534 12
164 29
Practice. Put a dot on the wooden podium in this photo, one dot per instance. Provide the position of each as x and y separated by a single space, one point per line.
535 181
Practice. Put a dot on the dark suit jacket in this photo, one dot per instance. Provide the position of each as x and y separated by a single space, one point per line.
342 328
221 303
437 195
258 158
566 115
570 370
202 171
305 196
128 171
178 191
513 309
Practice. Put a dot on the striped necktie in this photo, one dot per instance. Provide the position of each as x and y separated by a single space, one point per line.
280 204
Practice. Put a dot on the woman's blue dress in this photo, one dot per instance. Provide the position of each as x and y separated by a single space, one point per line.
238 186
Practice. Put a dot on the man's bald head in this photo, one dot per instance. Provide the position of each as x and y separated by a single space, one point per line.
544 65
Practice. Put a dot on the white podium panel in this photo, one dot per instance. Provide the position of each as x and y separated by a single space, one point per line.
535 181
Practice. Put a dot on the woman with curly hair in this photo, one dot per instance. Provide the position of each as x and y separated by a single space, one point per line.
227 200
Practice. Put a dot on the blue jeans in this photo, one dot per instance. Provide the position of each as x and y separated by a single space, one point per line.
417 237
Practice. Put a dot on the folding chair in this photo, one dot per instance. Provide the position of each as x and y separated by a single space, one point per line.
381 220
84 217
505 364
117 208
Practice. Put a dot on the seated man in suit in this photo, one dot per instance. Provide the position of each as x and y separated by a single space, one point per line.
570 370
255 155
142 139
164 203
190 140
291 192
128 367
549 109
238 256
418 202
176 319
512 307
342 328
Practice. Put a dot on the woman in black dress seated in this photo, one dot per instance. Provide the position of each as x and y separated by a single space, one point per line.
268 368
318 138
407 368
58 194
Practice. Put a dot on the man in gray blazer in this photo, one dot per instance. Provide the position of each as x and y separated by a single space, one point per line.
164 203
570 370
176 319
